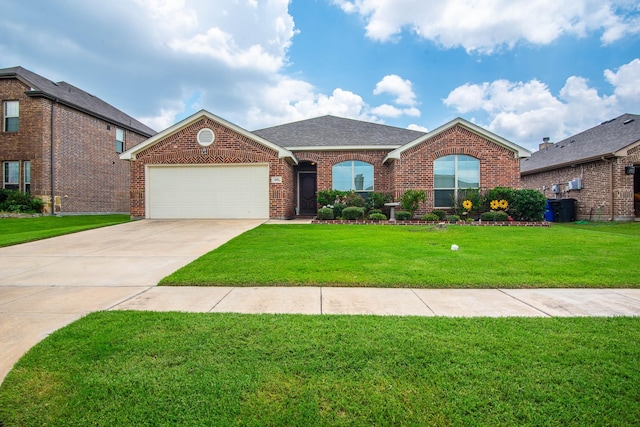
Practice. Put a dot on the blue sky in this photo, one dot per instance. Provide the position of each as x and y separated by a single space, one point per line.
521 69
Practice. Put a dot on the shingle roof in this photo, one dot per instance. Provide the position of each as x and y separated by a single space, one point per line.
75 97
331 131
603 140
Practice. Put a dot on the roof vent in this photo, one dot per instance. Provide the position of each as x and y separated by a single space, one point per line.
206 137
626 122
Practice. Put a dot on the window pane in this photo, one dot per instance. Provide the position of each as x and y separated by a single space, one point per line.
12 109
468 172
363 176
444 172
119 146
342 176
119 134
443 198
11 124
27 172
353 175
11 175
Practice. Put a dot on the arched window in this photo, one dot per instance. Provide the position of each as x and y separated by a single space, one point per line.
353 175
452 175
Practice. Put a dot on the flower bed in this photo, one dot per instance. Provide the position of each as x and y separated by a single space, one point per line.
419 222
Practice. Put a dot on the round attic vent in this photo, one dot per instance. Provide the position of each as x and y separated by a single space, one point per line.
206 137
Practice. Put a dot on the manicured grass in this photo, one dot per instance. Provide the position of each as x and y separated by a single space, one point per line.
399 256
143 368
21 230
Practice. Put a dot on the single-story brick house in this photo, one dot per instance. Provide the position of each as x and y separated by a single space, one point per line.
63 144
207 167
599 168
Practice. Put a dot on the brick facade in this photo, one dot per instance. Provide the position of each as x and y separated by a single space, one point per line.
229 147
605 186
499 167
88 175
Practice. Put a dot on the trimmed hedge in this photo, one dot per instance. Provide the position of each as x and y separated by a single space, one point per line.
353 212
403 215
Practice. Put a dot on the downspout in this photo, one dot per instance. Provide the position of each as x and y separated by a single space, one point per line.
52 159
610 184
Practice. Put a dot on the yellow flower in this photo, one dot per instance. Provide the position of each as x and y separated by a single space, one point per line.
494 204
467 204
503 204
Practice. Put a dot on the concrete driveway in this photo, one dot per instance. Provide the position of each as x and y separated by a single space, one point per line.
48 284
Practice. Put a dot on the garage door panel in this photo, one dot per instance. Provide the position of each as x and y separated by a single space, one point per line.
238 191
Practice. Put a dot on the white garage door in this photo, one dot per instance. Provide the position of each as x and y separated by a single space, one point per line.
217 192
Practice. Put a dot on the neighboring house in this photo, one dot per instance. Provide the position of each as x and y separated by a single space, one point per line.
62 144
207 167
599 168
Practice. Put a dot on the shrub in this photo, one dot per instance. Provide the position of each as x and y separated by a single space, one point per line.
374 211
325 213
430 217
453 218
377 217
16 201
377 200
353 212
354 199
501 216
330 197
337 210
488 216
403 215
497 193
411 199
528 205
440 214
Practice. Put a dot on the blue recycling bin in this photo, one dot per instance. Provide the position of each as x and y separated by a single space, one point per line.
549 214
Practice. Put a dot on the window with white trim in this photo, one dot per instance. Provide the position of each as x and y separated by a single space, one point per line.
26 173
353 175
452 175
119 140
11 175
11 115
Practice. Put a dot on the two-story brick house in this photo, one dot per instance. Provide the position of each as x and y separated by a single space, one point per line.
207 167
62 144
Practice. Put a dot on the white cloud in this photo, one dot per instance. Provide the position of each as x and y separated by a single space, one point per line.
398 87
627 83
486 25
419 128
386 110
524 112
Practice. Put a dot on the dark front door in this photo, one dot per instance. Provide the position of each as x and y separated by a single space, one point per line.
308 201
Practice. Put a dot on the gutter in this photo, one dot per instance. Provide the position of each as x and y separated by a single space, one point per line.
566 164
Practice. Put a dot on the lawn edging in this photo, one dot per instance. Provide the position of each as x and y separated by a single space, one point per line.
437 223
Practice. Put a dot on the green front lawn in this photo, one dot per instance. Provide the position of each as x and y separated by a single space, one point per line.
21 230
593 255
172 369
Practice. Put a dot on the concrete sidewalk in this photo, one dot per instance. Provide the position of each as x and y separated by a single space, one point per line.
390 302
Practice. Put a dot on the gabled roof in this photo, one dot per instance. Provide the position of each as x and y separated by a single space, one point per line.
131 153
518 150
76 98
337 133
608 139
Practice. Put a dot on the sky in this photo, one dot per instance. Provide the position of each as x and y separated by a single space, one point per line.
524 70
